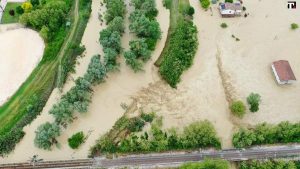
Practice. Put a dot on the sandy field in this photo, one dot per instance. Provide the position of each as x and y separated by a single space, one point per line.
21 50
105 108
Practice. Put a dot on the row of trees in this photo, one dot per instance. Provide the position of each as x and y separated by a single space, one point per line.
284 132
143 23
196 135
110 38
77 99
268 165
180 53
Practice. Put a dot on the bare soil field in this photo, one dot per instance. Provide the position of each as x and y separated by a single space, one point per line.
21 50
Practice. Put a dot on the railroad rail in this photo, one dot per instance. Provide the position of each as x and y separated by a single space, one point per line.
167 159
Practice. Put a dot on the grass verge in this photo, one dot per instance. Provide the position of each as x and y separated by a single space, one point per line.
7 18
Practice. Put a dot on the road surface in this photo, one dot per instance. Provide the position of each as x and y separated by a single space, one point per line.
169 159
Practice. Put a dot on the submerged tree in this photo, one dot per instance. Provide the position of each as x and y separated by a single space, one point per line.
46 135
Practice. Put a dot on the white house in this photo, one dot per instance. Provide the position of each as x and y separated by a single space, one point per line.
230 9
283 72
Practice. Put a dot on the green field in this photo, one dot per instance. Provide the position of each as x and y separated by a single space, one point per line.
7 18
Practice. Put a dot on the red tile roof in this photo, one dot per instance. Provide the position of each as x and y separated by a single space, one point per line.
284 70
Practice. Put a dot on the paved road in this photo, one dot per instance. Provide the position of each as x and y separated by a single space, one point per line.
169 159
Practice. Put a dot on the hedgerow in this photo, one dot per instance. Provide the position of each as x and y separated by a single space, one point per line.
270 164
284 132
122 139
181 52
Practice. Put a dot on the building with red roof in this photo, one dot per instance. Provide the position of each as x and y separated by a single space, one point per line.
283 72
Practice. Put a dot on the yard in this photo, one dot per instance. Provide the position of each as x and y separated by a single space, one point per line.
7 18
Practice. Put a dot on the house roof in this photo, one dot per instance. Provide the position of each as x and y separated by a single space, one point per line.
231 6
284 70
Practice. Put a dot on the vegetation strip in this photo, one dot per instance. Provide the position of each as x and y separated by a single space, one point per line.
24 106
78 98
126 137
271 164
284 132
144 25
181 45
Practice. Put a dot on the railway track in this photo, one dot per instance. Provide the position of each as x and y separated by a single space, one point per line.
167 159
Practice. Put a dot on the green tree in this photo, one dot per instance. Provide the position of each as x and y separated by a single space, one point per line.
117 24
46 135
96 72
244 138
253 100
76 140
294 26
44 33
19 10
114 8
27 7
205 3
238 108
132 61
229 1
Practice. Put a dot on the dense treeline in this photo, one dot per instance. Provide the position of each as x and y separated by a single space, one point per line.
207 164
77 99
196 135
48 17
181 52
264 133
143 23
268 165
110 38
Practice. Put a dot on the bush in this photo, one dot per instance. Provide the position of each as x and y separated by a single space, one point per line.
205 3
207 164
76 140
12 12
253 100
148 117
224 25
19 10
294 26
284 132
229 1
191 11
238 108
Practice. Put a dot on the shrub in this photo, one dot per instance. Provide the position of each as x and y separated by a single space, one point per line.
27 7
294 26
229 1
253 100
268 164
12 12
191 11
136 124
224 25
76 140
205 3
244 8
19 10
148 117
238 108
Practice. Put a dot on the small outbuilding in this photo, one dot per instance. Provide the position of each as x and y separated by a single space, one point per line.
283 72
230 9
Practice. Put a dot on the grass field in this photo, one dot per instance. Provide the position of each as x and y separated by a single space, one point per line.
7 18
